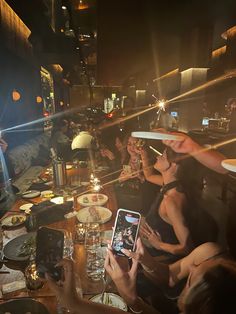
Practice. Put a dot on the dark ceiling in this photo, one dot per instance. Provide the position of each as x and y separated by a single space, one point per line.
132 36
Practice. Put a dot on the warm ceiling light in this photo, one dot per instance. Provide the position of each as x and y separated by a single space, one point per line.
16 95
39 99
63 7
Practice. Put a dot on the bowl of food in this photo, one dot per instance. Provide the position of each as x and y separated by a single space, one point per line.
110 299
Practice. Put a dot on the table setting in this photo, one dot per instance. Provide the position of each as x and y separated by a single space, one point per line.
84 213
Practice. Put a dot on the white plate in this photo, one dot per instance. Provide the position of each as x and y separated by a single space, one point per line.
92 199
84 214
157 136
229 164
31 194
47 194
111 299
7 221
68 167
60 200
26 207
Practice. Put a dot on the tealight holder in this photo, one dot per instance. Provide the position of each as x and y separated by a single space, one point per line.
32 279
80 233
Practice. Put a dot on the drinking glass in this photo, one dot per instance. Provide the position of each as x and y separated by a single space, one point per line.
92 236
95 264
68 245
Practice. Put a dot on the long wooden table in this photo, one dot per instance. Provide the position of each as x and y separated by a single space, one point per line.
16 269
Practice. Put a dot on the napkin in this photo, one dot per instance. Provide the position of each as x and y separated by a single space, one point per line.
38 186
46 213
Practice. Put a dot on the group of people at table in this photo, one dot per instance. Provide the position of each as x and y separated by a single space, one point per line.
168 249
208 269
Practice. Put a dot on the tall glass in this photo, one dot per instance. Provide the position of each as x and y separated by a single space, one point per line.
92 236
95 264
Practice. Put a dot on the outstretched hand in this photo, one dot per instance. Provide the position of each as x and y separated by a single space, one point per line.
185 146
65 291
123 277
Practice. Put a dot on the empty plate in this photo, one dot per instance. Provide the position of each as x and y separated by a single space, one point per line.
26 208
31 194
157 136
229 164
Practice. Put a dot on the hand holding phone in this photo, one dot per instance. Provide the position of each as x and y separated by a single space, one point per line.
125 231
49 251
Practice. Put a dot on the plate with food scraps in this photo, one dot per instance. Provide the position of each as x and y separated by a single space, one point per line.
47 194
92 199
110 299
31 194
94 214
13 220
157 136
60 200
26 207
21 247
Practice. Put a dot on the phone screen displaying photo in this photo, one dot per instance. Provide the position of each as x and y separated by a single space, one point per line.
125 231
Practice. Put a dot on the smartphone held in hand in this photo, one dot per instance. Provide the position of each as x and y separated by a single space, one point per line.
125 231
49 251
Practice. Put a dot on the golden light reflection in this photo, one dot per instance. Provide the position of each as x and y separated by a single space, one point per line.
218 52
231 32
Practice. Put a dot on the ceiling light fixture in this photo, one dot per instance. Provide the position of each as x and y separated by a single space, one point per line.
63 7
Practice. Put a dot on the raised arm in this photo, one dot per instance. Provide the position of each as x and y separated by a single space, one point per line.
148 170
171 274
208 157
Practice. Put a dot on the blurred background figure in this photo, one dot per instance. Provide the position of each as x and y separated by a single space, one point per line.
60 140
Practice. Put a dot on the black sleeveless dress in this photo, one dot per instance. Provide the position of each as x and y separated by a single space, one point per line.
155 221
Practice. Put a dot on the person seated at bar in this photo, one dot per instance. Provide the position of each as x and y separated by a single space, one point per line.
84 143
170 223
210 287
60 141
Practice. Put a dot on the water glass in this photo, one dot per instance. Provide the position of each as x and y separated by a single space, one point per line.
95 263
92 236
68 245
